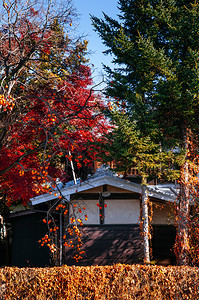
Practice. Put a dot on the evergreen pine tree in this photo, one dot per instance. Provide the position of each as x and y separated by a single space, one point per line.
155 46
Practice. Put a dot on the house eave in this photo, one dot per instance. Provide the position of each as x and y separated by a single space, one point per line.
87 185
100 181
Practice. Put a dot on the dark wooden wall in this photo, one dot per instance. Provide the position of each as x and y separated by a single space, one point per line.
103 244
109 244
26 251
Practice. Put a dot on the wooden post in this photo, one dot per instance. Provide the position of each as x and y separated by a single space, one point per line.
145 219
101 203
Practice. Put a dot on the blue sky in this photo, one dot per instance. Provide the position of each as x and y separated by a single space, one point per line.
95 7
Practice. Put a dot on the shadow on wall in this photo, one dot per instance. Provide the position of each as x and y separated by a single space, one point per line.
109 244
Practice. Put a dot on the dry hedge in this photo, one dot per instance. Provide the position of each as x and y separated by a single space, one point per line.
100 282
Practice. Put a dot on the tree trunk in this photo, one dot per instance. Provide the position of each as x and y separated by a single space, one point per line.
145 219
183 209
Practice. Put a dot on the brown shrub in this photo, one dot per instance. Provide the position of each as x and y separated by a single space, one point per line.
100 282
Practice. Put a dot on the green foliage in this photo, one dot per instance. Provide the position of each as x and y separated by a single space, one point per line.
128 147
155 46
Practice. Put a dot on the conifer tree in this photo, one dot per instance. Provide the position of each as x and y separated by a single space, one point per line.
155 46
128 148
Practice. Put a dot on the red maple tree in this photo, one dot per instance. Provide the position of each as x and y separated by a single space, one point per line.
47 109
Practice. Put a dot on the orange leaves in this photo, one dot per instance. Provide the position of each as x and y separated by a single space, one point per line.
72 220
79 165
7 103
60 206
45 240
100 282
80 221
69 157
21 172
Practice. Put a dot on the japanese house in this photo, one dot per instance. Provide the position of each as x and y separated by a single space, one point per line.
110 231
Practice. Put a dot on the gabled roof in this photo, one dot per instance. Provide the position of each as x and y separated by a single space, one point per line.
100 178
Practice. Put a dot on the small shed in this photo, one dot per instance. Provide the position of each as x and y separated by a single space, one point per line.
111 230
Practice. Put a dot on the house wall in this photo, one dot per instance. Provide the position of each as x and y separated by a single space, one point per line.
91 210
108 244
111 189
27 230
98 189
122 211
119 240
